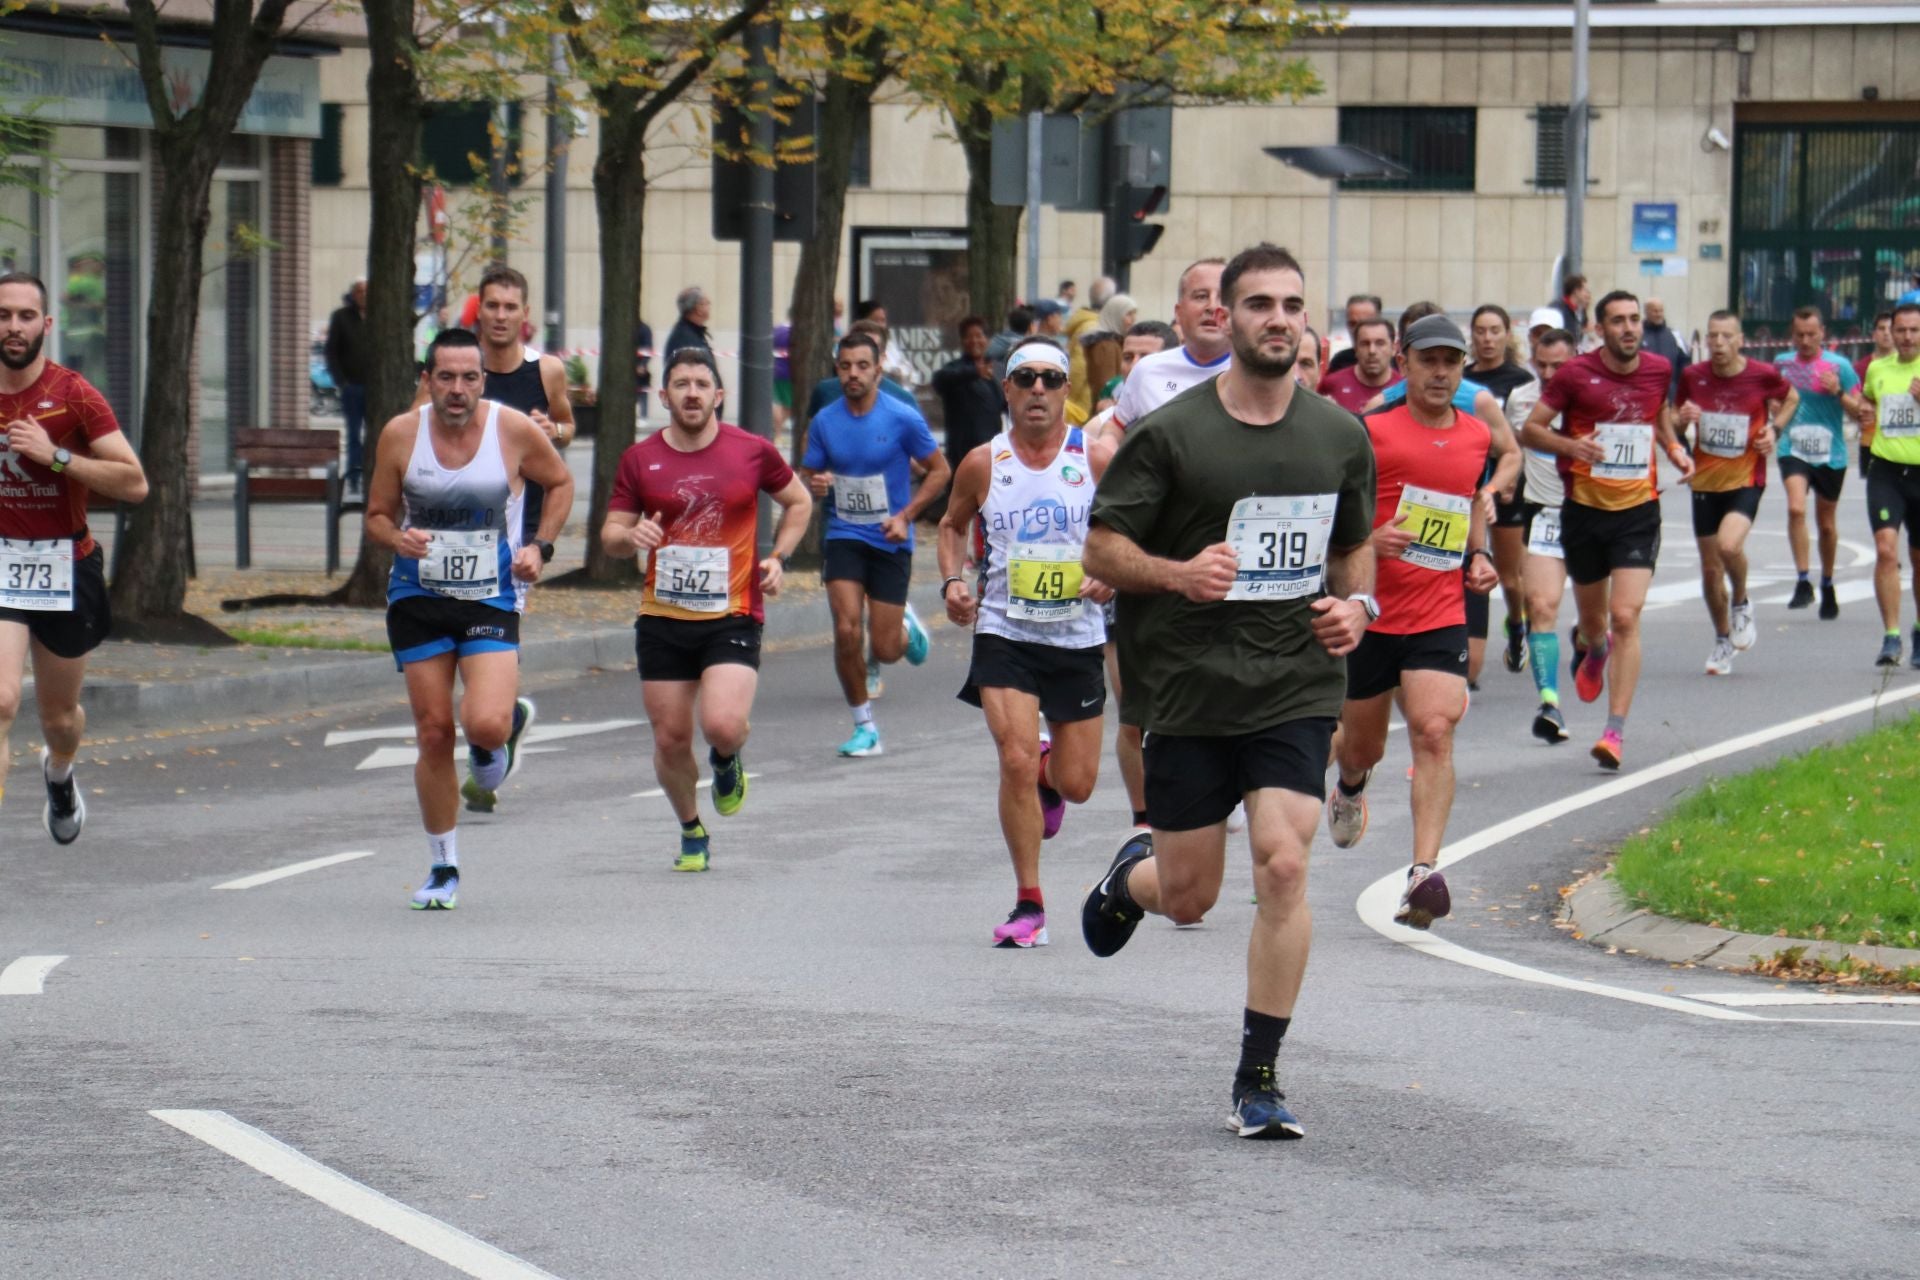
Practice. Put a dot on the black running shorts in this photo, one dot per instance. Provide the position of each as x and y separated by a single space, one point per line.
1194 782
421 627
1893 498
1071 684
682 649
1375 666
1597 541
75 632
1827 482
884 574
1711 509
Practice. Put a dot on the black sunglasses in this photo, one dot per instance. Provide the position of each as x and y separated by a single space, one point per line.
1051 379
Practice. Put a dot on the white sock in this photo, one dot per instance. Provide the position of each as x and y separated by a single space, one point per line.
863 715
442 847
56 771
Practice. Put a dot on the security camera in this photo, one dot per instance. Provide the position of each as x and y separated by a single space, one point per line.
1716 140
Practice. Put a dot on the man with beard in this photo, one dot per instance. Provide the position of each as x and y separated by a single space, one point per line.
1235 522
445 498
63 443
1371 372
688 498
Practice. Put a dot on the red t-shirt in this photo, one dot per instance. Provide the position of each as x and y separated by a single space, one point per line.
1733 410
705 499
1414 596
36 502
1587 394
1346 390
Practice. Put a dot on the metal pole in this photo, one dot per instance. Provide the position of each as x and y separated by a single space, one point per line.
756 251
497 168
559 129
1333 269
1577 147
1036 124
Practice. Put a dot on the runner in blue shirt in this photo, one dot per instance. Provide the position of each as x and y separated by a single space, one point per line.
861 451
1813 450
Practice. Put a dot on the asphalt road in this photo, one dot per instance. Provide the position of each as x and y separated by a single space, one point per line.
810 1062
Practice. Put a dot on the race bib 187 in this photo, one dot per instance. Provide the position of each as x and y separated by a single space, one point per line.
462 565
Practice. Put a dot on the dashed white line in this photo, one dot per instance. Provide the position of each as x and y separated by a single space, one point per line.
281 873
27 976
1379 900
356 1200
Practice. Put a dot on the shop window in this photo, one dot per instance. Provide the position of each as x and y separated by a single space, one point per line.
1435 144
328 170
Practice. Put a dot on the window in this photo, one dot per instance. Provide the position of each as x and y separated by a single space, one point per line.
1550 147
457 143
1434 143
860 171
328 171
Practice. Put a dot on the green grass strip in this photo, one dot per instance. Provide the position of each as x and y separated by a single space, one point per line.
1819 845
276 638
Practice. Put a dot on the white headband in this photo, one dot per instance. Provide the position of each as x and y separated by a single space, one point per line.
1038 353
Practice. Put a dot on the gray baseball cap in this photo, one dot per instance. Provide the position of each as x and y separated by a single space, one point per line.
1434 331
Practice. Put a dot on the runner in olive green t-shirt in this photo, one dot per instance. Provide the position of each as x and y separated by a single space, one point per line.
1893 476
1233 520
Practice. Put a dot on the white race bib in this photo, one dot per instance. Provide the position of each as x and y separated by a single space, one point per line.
1282 545
1812 445
1899 416
860 499
1543 539
462 565
1043 582
37 575
692 578
1438 523
1629 447
1724 435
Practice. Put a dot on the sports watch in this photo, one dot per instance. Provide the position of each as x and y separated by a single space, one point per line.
61 458
546 551
1368 603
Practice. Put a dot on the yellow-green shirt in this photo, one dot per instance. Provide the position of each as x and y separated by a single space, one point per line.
1896 434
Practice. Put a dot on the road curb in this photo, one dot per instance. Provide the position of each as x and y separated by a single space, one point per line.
333 680
1600 914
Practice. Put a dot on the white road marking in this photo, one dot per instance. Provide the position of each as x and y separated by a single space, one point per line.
702 785
27 976
1379 900
281 873
1759 999
404 757
362 1203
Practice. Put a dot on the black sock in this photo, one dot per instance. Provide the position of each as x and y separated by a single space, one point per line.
693 828
1139 817
719 761
1352 789
1259 1046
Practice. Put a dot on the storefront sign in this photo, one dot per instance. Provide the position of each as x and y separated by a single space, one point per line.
88 81
920 277
1656 228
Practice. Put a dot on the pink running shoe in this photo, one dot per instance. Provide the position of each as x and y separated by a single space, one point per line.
1026 926
1609 750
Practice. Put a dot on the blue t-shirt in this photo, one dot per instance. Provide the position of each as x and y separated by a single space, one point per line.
884 442
1462 399
1817 408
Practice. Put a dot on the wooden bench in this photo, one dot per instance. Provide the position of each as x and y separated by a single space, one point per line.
302 465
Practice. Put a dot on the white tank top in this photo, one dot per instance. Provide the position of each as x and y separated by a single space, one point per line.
478 504
1542 483
1033 526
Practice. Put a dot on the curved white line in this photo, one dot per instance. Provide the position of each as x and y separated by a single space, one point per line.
1379 900
27 976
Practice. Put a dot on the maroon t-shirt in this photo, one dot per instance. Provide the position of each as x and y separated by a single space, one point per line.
1346 390
36 502
708 498
1588 395
1718 465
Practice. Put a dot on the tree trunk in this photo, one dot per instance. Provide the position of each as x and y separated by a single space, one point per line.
394 99
619 200
993 231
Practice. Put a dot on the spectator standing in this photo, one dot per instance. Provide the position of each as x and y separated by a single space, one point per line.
642 365
691 329
1019 325
1080 325
1663 341
346 356
969 393
1575 298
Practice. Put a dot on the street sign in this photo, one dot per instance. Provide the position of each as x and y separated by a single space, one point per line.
1070 163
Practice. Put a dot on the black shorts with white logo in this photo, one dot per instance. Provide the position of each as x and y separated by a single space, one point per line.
1195 781
682 649
1711 509
1070 683
1893 498
1597 541
1375 666
75 632
421 627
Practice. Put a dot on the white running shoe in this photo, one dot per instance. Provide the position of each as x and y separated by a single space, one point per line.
1720 661
1347 815
1743 633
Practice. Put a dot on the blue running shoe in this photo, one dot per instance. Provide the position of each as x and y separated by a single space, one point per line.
1260 1110
864 742
918 641
523 713
694 855
441 892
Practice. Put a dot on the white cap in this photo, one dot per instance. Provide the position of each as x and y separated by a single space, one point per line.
1038 353
1544 317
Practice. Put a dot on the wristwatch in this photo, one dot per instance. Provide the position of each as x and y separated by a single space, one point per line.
61 458
1480 551
1368 603
546 551
948 583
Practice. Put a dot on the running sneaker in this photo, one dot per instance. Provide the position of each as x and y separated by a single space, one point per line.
1347 815
729 786
1889 652
1802 595
1742 632
1829 603
1609 750
1260 1109
1720 661
693 852
875 685
1107 919
65 813
1053 807
1576 650
918 641
1549 725
1590 677
1516 646
485 799
441 892
479 799
1026 926
523 713
1425 899
864 742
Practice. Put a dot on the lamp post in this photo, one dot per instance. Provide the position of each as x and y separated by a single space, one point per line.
1336 162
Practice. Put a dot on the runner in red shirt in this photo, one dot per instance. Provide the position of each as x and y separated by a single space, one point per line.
688 498
1736 407
62 443
1429 459
1612 410
1370 373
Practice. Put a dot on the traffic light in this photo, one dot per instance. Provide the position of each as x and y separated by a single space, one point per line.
1130 237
